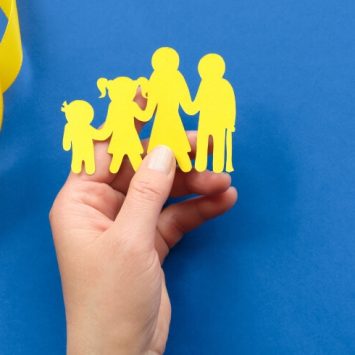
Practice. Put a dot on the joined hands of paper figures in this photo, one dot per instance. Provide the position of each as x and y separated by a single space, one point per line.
166 91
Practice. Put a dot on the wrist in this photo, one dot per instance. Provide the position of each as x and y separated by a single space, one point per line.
85 341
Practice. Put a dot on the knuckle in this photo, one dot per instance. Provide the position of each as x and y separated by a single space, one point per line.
147 190
90 193
98 189
95 193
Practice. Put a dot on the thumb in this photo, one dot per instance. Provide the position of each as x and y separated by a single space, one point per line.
147 193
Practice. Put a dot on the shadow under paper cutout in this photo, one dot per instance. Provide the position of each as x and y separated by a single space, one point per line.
166 91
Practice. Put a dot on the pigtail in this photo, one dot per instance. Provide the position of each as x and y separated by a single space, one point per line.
64 106
102 85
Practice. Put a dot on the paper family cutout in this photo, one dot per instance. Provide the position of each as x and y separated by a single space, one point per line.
10 50
166 91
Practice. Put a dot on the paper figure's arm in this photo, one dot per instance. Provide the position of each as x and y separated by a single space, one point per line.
143 83
102 134
98 134
185 98
147 114
105 131
194 107
66 138
144 115
231 115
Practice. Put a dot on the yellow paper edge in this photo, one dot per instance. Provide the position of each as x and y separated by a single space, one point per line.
10 50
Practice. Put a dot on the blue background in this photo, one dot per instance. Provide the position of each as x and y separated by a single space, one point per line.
273 276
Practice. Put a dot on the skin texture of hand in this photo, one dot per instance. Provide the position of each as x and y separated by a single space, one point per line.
112 234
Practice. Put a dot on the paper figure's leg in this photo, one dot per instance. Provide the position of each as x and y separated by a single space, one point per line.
90 165
184 162
76 164
201 151
135 160
218 151
116 163
229 162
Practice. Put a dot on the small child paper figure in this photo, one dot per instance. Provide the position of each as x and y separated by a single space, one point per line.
79 135
216 102
120 120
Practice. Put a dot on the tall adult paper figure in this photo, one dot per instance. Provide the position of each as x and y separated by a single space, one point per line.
167 91
216 102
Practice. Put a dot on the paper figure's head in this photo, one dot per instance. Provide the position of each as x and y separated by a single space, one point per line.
165 59
211 66
121 88
78 111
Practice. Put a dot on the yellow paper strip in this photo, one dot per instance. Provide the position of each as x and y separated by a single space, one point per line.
10 50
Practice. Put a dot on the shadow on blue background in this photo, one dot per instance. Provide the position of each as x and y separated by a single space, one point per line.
274 275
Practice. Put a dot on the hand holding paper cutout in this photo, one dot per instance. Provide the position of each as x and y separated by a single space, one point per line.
111 249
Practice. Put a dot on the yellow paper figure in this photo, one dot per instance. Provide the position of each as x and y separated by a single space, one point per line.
120 120
216 102
79 135
10 50
167 91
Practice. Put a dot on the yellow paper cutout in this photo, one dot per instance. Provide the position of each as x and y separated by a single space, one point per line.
215 100
166 91
10 50
79 135
119 124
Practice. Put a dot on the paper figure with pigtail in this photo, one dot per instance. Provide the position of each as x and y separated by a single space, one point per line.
166 92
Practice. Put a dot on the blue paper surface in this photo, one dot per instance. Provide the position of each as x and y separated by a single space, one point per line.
273 276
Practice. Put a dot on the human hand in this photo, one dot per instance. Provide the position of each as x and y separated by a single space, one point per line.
112 234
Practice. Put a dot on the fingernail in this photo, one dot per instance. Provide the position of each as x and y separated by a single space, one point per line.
161 159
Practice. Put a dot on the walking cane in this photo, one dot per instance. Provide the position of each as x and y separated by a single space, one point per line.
229 162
